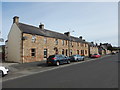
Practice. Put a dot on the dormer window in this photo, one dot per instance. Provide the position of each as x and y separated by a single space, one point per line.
33 38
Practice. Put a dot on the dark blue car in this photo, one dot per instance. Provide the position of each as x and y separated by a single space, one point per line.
57 60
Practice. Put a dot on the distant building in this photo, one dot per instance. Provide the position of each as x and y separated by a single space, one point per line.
28 43
103 48
93 48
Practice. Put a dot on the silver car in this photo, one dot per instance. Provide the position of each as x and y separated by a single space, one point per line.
76 58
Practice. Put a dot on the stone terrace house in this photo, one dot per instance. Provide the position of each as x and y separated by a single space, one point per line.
93 48
28 43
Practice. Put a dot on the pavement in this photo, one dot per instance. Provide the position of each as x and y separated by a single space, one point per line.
92 73
17 70
14 67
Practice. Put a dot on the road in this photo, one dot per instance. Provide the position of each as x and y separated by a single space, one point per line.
99 73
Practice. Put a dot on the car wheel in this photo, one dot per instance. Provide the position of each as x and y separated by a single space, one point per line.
57 63
68 61
2 74
48 64
83 59
76 60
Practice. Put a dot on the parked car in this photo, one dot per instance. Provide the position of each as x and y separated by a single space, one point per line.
3 71
113 53
95 56
76 58
57 60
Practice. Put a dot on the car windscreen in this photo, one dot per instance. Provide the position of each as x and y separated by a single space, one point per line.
73 56
52 56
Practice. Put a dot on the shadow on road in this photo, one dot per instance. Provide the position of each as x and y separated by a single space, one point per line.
42 64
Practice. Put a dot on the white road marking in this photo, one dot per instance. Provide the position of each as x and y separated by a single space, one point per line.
61 66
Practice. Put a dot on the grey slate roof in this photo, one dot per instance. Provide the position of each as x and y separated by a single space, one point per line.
91 44
47 33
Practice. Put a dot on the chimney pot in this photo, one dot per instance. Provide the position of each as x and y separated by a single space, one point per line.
96 44
83 39
41 26
16 19
80 37
100 44
92 42
67 33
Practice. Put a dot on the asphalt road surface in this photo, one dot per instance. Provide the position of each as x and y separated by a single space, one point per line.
99 73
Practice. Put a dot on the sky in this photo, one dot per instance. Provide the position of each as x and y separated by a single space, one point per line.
94 21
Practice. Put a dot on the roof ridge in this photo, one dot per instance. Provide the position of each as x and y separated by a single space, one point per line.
29 25
26 28
44 29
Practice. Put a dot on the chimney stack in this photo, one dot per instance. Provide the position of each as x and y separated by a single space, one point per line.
16 19
83 39
92 42
67 33
96 44
100 44
80 37
41 26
